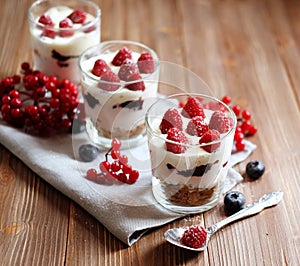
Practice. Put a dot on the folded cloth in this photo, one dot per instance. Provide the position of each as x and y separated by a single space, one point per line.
127 211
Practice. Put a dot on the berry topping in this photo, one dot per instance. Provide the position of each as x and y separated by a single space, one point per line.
100 67
146 63
88 152
234 201
46 20
121 56
219 121
194 237
66 24
170 119
136 86
110 79
197 126
127 69
255 169
176 135
193 107
77 16
118 169
210 136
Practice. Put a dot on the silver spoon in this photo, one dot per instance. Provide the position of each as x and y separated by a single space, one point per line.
268 200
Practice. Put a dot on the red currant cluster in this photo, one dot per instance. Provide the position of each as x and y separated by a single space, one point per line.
118 169
244 126
41 105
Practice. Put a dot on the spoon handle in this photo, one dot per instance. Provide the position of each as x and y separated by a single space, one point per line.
267 200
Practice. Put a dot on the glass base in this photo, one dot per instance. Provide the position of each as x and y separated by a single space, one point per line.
106 142
161 198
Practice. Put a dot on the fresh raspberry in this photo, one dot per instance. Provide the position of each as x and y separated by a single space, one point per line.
209 136
197 126
46 20
77 16
49 32
65 24
137 86
193 107
100 67
109 76
121 56
170 119
176 135
194 237
127 69
220 122
146 63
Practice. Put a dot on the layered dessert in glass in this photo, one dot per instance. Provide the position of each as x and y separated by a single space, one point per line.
190 140
119 83
60 31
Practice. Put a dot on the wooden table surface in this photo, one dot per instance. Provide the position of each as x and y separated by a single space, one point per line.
248 49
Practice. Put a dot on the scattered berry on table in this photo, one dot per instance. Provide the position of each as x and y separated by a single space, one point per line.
88 152
234 201
170 119
176 135
226 99
255 169
194 237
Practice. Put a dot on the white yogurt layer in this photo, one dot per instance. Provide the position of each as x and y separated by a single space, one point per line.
67 46
194 156
108 115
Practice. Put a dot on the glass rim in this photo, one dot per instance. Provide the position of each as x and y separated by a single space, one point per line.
57 29
223 135
120 42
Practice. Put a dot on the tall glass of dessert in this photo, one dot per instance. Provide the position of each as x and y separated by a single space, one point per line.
190 139
60 31
119 83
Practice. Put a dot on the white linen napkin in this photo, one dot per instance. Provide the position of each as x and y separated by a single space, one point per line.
127 211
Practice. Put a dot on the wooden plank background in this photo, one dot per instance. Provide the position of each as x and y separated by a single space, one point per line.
248 49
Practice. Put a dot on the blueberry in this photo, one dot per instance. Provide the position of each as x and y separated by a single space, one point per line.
234 201
255 169
88 152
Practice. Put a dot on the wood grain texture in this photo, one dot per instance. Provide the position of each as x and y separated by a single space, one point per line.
248 49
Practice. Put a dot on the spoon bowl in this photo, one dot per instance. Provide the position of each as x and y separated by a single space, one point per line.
174 235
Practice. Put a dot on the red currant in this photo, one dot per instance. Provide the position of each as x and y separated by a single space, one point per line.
115 154
116 144
133 176
246 114
226 99
240 145
236 109
91 174
104 166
